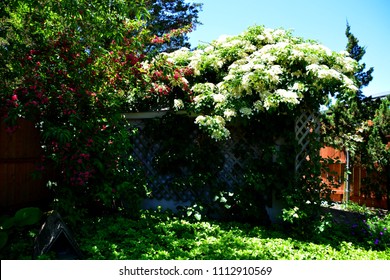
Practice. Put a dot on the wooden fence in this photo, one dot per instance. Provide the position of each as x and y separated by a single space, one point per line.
19 154
357 179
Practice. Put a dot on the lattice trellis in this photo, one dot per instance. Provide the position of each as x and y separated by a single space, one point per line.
230 173
305 125
235 163
145 149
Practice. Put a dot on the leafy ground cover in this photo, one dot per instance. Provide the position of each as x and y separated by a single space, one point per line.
161 235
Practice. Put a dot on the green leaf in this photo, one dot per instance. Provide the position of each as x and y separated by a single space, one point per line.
3 239
99 165
198 216
6 222
28 216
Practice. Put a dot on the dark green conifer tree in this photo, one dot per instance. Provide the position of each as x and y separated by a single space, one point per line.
357 52
345 116
166 15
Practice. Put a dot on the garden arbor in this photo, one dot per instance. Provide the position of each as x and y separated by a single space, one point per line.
256 81
258 84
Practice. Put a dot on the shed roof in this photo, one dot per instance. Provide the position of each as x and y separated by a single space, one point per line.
380 94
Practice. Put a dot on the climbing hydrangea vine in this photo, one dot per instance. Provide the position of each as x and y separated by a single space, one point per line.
261 70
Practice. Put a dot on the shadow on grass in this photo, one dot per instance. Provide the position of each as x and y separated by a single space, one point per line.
160 235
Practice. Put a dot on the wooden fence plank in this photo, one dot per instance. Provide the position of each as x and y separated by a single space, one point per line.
356 181
19 153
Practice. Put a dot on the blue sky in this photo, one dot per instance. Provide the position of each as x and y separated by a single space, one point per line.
324 21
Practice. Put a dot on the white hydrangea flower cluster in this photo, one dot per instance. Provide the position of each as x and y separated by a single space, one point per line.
178 104
215 125
260 69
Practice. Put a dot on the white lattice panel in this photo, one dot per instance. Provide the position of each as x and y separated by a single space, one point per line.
305 125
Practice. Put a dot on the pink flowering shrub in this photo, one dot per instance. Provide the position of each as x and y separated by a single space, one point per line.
76 89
